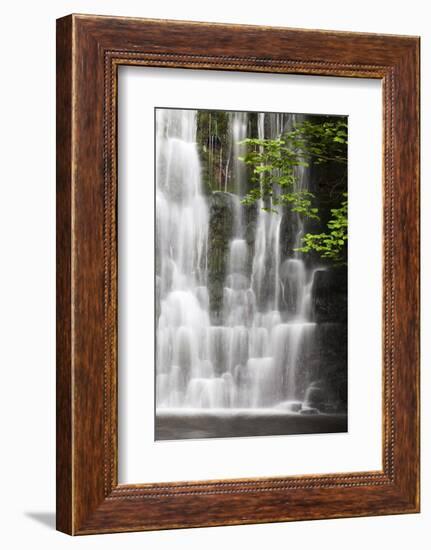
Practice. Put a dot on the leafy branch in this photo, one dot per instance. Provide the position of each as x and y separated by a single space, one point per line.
275 175
332 244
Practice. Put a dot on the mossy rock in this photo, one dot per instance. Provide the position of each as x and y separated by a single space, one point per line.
221 218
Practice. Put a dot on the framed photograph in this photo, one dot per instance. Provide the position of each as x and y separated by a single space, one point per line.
237 274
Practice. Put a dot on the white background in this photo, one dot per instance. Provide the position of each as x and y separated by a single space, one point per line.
143 460
27 118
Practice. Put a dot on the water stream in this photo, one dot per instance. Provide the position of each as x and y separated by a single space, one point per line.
254 355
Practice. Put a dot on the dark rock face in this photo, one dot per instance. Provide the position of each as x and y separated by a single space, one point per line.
288 231
330 295
332 343
325 386
221 218
249 213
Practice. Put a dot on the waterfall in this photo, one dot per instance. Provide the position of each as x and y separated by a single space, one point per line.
256 355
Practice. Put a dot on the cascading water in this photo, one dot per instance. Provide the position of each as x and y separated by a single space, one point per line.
252 357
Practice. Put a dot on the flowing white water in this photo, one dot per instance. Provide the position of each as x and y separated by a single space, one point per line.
255 357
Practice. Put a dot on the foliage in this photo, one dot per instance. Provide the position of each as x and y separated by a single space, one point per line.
320 143
275 162
275 165
330 245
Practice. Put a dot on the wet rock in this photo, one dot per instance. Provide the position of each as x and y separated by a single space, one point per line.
315 396
221 219
288 232
291 406
324 353
309 410
329 295
250 219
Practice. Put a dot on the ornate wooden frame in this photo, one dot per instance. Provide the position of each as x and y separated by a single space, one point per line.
89 51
